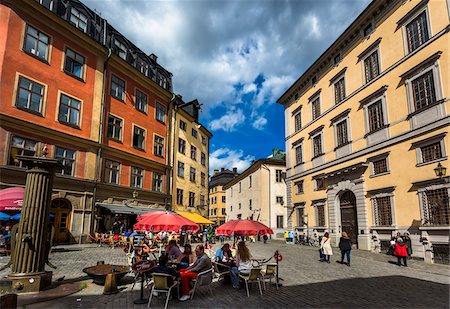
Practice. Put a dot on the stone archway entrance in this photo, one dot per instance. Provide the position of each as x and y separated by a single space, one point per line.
60 212
349 221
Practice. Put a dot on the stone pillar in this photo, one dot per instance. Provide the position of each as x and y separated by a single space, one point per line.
30 254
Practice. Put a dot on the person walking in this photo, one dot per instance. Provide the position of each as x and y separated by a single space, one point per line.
345 245
401 252
408 243
325 245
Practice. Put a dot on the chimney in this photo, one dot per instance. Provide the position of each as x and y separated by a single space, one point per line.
235 170
216 172
153 57
222 169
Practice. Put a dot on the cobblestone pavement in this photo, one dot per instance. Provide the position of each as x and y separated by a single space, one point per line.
371 282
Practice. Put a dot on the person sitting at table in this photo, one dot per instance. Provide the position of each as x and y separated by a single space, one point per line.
201 264
243 264
187 258
162 268
172 249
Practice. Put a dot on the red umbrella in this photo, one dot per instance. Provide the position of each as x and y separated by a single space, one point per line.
243 228
11 199
159 221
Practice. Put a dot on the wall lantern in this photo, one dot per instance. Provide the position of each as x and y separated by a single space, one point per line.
440 170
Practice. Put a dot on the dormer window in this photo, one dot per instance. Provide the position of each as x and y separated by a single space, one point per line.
78 19
368 29
337 58
314 80
121 49
142 66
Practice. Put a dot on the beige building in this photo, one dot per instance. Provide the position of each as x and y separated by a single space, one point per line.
217 196
259 193
367 129
190 158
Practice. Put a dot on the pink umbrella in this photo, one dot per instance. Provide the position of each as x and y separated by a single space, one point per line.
11 199
243 228
159 221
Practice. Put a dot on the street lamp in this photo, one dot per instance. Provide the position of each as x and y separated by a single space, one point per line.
440 170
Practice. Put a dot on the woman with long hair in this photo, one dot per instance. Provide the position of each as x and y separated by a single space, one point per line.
186 258
243 263
345 245
325 246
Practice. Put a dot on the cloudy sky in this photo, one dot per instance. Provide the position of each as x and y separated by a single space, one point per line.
236 57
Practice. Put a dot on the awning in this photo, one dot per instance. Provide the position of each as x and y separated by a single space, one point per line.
194 217
11 199
127 210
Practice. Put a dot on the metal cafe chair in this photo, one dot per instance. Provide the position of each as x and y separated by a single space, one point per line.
253 277
203 279
162 284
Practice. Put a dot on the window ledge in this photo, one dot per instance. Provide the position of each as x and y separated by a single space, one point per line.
431 162
425 108
381 174
387 228
434 227
377 130
140 149
343 145
318 156
45 61
30 111
115 140
70 125
141 111
160 121
74 76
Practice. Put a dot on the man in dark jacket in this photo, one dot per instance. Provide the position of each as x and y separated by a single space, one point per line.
345 245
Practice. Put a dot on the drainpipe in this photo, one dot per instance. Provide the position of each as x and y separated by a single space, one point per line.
270 196
171 141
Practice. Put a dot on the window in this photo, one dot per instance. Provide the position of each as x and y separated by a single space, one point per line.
371 66
320 214
339 91
157 182
69 110
423 90
142 66
158 147
250 207
203 179
417 32
382 210
191 199
46 3
278 175
279 200
380 166
36 43
368 30
240 187
342 133
375 116
223 212
180 171
431 152
299 154
314 80
317 145
78 19
223 199
112 172
193 153
337 58
203 140
298 121
194 133
30 95
137 176
74 63
250 181
435 207
180 196
280 222
67 158
299 187
117 88
231 207
160 112
315 105
140 101
181 146
182 125
203 159
114 128
320 184
21 147
121 49
299 212
138 138
240 206
239 216
192 174
202 203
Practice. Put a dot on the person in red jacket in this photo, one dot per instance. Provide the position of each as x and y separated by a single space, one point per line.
400 251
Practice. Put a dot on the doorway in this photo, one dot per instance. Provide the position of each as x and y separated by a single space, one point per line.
60 211
349 222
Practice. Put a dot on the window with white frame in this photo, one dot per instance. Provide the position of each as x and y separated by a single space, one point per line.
117 88
138 138
371 66
78 19
298 187
339 90
140 101
435 205
181 146
46 3
160 112
417 31
121 49
158 147
278 175
21 147
382 207
37 43
74 63
191 199
280 222
30 95
375 115
183 125
342 132
142 66
193 153
423 90
430 150
299 154
319 213
299 214
317 144
137 177
279 200
298 120
320 184
315 108
379 165
115 127
157 182
112 172
67 159
192 174
69 110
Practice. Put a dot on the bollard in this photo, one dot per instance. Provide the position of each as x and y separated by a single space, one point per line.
8 301
110 284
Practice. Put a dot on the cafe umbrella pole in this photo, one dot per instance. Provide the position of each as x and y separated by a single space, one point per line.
141 300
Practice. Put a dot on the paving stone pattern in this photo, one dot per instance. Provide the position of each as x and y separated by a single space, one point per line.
370 282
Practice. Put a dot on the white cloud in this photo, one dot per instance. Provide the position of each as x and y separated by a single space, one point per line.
313 23
227 158
260 122
272 88
249 88
228 122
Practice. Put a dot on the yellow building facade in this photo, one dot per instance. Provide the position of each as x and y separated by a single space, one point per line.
367 131
217 195
190 159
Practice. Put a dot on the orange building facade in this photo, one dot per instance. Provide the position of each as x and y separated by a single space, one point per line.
73 88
